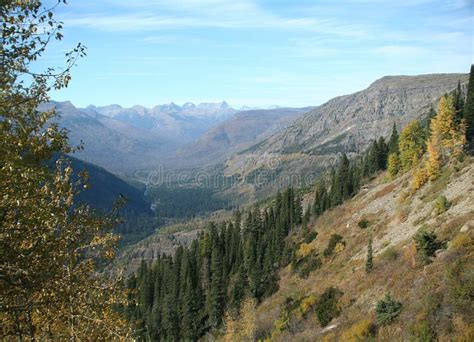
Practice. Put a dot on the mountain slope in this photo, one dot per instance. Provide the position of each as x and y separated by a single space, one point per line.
393 215
346 123
242 130
105 188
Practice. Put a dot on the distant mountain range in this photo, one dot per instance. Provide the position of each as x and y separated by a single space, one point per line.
125 139
295 142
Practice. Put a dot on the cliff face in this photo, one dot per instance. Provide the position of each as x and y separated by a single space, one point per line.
346 124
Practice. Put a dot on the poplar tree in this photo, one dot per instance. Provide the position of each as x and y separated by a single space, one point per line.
411 144
49 246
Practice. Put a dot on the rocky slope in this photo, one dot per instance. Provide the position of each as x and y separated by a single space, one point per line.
434 301
346 123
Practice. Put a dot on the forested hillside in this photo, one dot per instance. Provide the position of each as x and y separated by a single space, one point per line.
253 267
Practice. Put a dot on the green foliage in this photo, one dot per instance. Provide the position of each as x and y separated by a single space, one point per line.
393 142
327 306
305 265
364 223
50 246
333 241
188 294
441 205
184 202
310 236
426 245
387 310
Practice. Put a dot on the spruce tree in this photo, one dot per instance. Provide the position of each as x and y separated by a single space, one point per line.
458 104
216 300
369 262
469 112
393 142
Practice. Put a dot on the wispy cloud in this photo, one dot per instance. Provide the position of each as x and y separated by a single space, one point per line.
399 50
155 16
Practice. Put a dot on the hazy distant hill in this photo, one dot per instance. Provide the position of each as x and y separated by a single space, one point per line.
238 132
179 124
105 189
126 139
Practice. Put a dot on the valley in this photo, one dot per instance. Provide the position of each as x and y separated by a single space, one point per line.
321 201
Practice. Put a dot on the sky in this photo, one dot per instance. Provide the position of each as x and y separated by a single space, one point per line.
254 52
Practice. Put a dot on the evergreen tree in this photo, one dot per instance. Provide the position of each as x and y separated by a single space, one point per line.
216 295
469 112
369 262
393 142
458 104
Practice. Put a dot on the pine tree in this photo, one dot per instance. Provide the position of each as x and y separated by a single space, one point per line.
393 142
458 104
382 154
469 112
216 295
369 263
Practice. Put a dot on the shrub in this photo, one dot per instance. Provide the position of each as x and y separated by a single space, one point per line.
307 264
422 331
364 223
460 241
327 307
306 304
426 245
310 236
441 205
460 279
387 310
333 241
390 254
304 250
360 331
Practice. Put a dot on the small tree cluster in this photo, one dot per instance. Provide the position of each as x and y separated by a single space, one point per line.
327 305
387 310
426 243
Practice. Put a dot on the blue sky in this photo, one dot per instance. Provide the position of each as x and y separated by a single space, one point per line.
256 53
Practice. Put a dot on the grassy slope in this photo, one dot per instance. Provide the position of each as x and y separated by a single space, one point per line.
394 215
